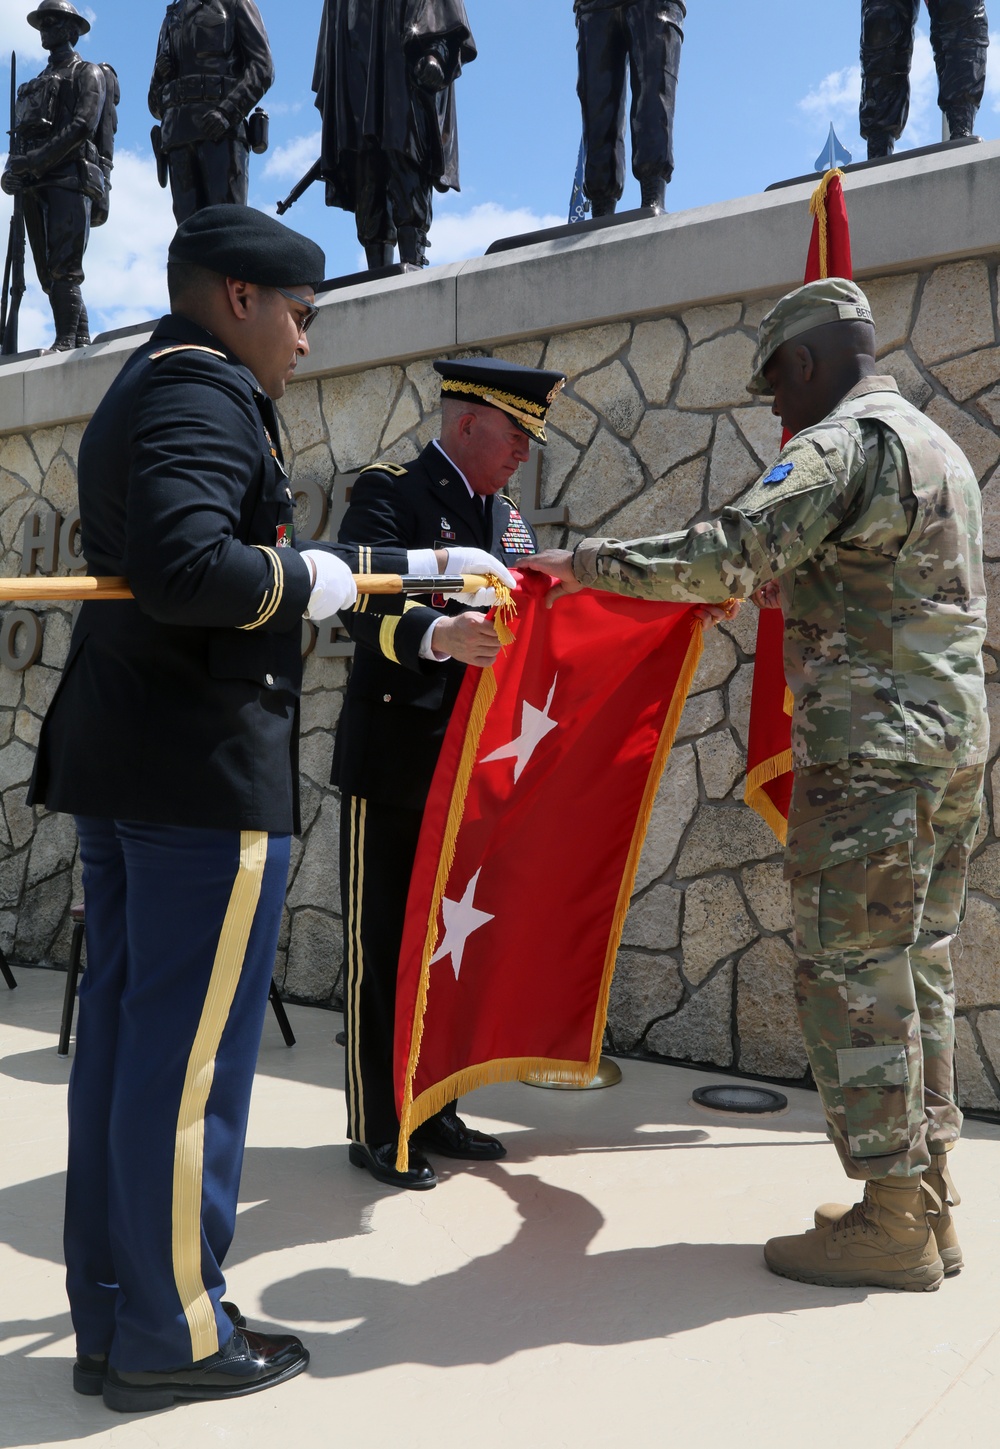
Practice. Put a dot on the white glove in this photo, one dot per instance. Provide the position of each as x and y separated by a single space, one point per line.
334 588
477 561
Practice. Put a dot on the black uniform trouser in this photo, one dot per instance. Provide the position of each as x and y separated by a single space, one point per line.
642 41
959 38
211 173
378 844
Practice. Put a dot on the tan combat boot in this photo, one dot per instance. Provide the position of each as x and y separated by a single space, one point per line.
938 1178
884 1242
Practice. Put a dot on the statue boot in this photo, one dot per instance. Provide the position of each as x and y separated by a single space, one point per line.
67 305
886 1241
380 254
654 193
412 248
83 338
604 207
961 119
939 1180
880 145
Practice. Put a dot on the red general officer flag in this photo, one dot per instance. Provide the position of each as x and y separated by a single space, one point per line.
530 845
769 746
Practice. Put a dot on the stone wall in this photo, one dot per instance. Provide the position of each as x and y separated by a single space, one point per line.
655 430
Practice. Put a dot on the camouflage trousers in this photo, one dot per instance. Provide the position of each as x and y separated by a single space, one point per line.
877 858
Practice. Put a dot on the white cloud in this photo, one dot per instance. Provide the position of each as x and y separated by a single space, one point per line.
836 97
454 238
17 34
125 263
295 158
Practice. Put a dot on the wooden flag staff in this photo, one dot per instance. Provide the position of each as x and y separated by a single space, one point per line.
47 590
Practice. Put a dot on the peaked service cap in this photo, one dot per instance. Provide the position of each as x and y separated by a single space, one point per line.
524 393
244 243
831 299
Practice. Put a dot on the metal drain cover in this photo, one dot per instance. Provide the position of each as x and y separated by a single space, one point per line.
740 1101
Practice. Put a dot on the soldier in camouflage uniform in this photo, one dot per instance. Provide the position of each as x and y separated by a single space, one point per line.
868 530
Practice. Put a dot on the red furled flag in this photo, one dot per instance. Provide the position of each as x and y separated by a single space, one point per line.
769 748
530 844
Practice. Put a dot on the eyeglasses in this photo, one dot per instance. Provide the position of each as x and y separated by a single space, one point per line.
311 312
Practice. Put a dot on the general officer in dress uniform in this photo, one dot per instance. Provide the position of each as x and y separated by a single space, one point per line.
618 39
960 36
213 65
172 738
868 531
404 682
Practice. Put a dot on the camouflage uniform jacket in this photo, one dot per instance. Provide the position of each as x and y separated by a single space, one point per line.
871 523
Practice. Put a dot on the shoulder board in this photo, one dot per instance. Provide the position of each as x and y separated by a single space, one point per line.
396 470
185 347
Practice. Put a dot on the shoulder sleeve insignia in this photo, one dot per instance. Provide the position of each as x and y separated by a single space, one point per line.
185 347
778 473
395 470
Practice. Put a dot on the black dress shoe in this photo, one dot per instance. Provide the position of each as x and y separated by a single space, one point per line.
446 1134
90 1371
248 1363
381 1163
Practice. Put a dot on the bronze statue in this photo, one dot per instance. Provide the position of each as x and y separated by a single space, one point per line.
213 65
615 39
960 34
61 155
384 83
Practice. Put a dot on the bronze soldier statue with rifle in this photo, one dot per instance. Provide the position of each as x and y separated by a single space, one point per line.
213 65
59 166
384 84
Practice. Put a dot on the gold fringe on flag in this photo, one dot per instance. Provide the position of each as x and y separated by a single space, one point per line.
817 208
416 1111
757 797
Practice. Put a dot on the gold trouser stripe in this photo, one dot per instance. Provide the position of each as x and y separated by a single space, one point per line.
387 636
355 959
189 1144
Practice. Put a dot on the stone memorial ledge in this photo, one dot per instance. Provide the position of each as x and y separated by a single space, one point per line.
908 216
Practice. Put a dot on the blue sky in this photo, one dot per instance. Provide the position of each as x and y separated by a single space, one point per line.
759 85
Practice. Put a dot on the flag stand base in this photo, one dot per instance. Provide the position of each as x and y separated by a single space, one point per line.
609 1074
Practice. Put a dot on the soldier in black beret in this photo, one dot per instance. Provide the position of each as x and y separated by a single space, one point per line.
405 679
173 741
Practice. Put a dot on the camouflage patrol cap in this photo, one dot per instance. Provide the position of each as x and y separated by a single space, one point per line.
831 299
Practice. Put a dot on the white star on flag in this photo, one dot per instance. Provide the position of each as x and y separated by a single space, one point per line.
535 725
461 918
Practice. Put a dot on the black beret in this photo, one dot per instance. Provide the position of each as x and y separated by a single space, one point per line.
251 246
524 393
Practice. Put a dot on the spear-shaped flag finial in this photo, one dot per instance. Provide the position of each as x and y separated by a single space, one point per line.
832 155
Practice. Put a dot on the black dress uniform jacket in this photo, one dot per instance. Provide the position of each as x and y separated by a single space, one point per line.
398 705
181 708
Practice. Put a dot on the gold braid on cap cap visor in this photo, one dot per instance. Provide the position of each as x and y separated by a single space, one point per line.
530 415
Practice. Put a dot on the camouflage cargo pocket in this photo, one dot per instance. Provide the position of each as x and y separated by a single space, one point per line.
873 1085
851 876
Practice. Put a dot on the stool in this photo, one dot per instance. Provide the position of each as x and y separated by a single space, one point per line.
73 975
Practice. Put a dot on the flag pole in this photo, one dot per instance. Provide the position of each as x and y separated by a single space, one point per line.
39 590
